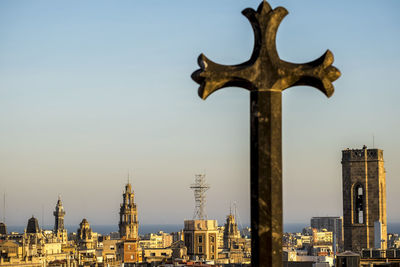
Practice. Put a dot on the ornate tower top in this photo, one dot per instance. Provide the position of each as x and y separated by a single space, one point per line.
59 214
85 235
33 226
231 231
128 223
84 224
128 188
362 154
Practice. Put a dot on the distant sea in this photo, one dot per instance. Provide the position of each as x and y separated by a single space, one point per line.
393 228
168 228
106 229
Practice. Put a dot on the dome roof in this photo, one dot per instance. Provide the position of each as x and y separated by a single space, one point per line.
33 226
84 223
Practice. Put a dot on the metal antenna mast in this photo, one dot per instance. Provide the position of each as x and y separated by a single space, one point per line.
4 207
42 216
237 217
200 187
373 141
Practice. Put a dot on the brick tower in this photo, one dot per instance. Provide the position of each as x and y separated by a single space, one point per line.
364 199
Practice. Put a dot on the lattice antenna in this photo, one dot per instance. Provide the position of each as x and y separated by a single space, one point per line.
200 187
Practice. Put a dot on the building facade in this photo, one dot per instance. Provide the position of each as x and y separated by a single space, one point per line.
332 224
364 199
201 239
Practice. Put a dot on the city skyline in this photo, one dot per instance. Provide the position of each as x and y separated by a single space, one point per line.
90 91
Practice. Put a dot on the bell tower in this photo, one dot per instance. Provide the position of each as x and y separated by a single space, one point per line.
128 223
59 214
364 199
59 229
128 227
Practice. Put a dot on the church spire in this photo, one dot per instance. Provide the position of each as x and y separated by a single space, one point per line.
59 215
128 224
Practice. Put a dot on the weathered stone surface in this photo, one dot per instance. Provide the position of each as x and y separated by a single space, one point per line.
265 75
363 168
265 71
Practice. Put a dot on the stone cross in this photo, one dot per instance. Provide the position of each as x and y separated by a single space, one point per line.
265 75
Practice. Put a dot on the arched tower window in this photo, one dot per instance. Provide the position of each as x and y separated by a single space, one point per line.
358 204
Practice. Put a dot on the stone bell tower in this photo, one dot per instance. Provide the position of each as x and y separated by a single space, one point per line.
128 222
364 199
128 227
59 214
59 229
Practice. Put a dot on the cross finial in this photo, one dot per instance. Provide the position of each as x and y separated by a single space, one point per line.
265 71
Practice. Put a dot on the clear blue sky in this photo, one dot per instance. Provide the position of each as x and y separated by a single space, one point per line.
90 90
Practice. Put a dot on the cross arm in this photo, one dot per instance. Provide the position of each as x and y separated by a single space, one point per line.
265 70
318 73
213 76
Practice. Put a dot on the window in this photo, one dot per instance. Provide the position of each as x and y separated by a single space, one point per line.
132 257
153 254
163 254
212 239
200 239
358 194
200 249
129 247
212 248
